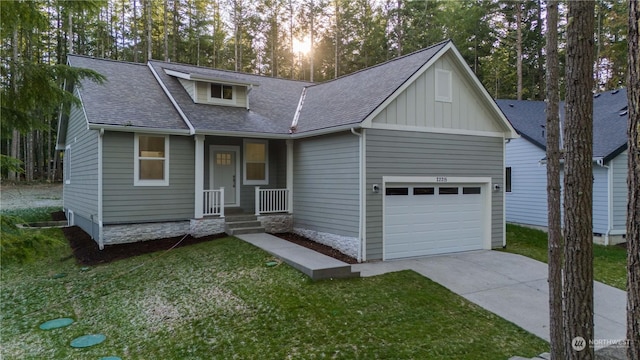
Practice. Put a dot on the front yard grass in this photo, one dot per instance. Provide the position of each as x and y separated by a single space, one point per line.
218 300
609 262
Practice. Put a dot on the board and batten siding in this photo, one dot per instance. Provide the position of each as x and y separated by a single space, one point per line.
81 194
527 201
326 184
404 153
620 167
125 203
416 106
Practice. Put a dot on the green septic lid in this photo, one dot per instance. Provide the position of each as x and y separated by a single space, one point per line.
60 275
110 358
85 268
87 340
272 263
56 323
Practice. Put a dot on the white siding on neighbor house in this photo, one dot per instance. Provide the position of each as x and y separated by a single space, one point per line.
403 153
326 184
80 195
125 203
527 201
600 199
416 106
620 168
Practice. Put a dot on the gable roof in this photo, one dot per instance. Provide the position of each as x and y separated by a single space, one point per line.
120 101
351 98
609 121
151 96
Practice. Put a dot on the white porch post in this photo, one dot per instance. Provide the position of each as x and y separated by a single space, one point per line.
290 175
199 181
257 200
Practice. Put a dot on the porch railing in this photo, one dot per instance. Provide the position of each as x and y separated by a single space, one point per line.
271 201
213 202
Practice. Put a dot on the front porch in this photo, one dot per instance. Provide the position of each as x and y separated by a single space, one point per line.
237 178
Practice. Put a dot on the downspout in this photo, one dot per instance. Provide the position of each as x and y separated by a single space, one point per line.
100 235
361 195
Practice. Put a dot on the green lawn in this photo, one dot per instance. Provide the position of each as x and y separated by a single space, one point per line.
219 300
609 262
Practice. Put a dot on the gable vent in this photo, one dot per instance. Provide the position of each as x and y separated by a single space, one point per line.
443 85
615 92
596 96
623 113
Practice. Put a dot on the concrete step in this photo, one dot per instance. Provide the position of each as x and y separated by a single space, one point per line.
239 217
246 230
242 224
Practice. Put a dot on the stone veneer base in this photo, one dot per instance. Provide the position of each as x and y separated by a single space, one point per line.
129 233
345 244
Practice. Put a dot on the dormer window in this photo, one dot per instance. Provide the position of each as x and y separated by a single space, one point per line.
222 92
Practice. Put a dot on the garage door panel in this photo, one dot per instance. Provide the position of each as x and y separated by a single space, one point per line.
427 222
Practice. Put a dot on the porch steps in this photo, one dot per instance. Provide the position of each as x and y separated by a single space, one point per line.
239 223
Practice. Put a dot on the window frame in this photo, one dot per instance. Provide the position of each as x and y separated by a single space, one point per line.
136 162
440 76
264 181
221 100
507 179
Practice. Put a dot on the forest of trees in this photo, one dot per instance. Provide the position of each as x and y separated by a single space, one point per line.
502 41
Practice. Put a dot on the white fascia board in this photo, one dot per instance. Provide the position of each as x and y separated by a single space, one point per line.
139 129
329 130
436 130
436 179
177 74
192 130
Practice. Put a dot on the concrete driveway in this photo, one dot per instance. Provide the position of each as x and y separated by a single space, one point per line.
512 286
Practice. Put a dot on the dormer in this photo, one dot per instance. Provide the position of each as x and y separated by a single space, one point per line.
214 90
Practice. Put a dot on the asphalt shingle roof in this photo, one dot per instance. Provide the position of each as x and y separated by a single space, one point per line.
609 121
272 103
131 96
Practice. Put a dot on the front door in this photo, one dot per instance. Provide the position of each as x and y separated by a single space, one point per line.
224 172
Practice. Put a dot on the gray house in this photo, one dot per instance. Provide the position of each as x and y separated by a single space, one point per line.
526 192
402 159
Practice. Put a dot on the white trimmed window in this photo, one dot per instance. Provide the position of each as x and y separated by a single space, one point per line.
444 87
256 162
151 165
67 164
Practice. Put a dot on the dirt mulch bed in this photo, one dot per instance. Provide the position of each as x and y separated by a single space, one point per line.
323 249
87 252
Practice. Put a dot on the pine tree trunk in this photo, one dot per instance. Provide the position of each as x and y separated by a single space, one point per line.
166 31
519 48
29 156
147 3
174 44
553 185
337 39
313 15
135 31
15 134
578 182
633 180
70 33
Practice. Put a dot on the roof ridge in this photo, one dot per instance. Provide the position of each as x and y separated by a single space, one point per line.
160 62
441 43
108 60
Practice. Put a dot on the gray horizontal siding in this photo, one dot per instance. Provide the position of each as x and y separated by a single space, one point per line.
401 153
620 168
81 194
125 203
527 201
326 179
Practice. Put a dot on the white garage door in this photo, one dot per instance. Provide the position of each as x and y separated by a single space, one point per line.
426 219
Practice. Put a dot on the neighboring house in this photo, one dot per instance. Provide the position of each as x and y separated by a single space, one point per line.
526 196
402 159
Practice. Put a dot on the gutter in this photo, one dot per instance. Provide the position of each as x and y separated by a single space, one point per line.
361 195
125 128
192 130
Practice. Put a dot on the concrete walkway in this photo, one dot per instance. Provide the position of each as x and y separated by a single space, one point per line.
512 286
312 263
